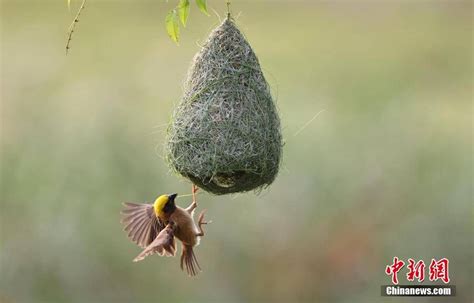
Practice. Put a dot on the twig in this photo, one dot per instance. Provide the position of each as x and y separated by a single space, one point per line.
73 26
228 9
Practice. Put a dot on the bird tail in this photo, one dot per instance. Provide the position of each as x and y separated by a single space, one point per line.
188 259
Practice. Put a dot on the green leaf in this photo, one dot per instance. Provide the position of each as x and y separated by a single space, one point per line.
202 6
183 11
172 25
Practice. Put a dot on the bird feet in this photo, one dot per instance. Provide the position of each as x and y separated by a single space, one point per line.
194 190
193 205
201 222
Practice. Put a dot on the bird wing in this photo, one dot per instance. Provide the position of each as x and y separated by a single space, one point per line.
141 224
164 244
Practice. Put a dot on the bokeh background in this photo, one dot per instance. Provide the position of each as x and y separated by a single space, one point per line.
385 170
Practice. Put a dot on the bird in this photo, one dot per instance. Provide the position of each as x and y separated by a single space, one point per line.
155 226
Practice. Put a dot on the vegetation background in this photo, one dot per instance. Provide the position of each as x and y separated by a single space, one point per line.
386 170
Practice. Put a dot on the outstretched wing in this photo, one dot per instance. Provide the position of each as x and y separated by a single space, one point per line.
141 224
164 244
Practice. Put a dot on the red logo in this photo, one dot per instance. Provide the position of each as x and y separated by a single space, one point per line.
394 269
416 270
439 270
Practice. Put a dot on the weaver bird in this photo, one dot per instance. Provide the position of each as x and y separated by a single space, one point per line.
154 227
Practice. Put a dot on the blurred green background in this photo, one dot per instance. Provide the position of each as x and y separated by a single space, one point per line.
386 170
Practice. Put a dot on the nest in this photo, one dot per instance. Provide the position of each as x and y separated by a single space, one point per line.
225 133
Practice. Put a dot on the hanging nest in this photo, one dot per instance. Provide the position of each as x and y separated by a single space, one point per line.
225 133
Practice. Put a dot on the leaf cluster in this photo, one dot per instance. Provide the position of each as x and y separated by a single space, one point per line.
173 19
179 15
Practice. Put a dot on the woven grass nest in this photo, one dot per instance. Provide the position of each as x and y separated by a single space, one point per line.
225 133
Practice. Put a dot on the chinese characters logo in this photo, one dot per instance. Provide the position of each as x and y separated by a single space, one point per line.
438 270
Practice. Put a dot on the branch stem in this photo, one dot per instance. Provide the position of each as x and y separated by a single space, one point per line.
73 26
228 8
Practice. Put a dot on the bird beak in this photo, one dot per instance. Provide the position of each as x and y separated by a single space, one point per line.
172 197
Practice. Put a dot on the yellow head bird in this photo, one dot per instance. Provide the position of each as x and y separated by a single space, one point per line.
154 227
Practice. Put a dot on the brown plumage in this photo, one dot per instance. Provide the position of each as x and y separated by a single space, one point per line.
155 226
140 222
